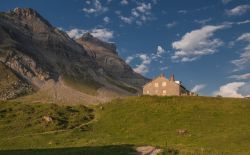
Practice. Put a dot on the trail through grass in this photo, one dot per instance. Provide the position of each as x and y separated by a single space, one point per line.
211 125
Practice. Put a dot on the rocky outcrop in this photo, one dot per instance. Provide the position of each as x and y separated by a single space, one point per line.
106 56
11 86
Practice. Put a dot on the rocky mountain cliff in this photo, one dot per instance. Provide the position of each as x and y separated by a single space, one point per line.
57 68
106 56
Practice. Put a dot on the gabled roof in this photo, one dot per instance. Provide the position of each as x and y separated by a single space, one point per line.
161 76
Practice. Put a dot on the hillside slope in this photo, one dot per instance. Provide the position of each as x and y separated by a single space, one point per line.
52 62
189 125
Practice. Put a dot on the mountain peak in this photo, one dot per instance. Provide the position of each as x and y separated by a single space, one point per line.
87 35
28 14
25 12
90 39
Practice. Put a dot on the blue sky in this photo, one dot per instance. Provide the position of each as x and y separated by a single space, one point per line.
204 43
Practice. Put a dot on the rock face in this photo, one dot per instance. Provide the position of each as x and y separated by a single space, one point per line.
38 53
106 56
11 86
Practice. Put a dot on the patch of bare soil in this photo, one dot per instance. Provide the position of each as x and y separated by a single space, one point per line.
147 150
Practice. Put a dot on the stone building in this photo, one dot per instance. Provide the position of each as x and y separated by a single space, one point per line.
161 86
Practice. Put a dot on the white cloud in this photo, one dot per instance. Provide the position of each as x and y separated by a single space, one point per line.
204 21
135 13
198 87
182 11
172 24
143 67
226 1
143 7
95 8
76 33
139 15
238 10
164 68
244 60
158 54
127 20
243 22
197 43
155 1
102 34
241 77
88 2
160 51
106 19
230 90
244 37
129 59
124 2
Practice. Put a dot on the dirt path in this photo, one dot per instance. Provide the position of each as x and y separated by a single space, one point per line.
148 150
52 132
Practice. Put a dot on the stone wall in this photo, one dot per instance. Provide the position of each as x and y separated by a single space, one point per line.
162 87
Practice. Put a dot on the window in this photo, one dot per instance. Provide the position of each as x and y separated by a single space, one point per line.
147 92
164 92
164 84
156 84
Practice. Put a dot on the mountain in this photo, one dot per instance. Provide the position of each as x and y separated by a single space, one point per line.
106 56
54 67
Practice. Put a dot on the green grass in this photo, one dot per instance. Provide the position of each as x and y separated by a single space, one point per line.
98 150
214 126
19 118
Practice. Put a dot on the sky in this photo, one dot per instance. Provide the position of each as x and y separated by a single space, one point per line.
204 43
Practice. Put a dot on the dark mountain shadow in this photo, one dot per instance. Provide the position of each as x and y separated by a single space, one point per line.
88 150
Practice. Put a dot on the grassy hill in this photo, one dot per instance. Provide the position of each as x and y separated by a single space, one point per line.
190 125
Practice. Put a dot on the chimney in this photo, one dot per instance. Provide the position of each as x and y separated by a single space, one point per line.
172 78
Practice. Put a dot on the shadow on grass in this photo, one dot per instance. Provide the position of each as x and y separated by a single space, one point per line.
88 150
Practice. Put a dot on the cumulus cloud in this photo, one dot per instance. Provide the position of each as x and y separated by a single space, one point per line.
244 60
182 11
230 90
204 21
76 33
139 15
197 43
238 10
103 34
127 20
124 2
164 68
172 24
143 7
160 51
106 19
241 77
226 1
96 7
143 67
243 22
158 54
129 59
198 87
145 60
